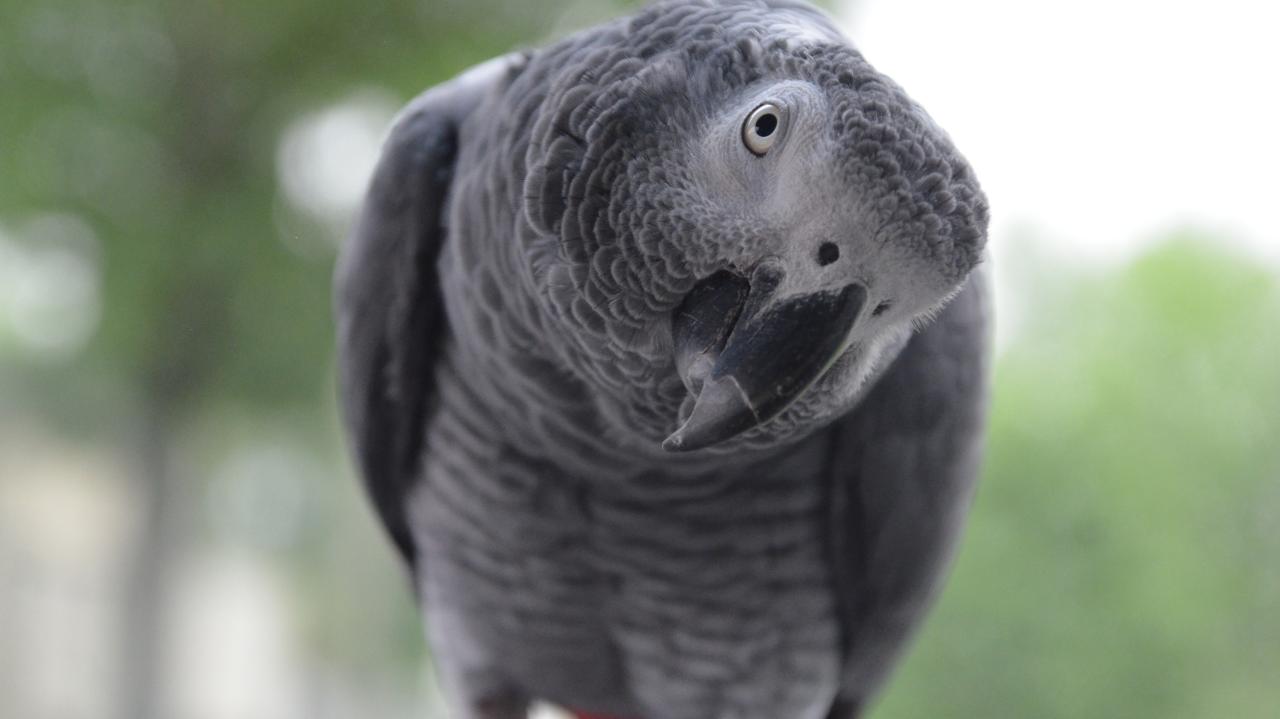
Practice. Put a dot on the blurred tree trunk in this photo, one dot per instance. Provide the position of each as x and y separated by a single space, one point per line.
150 573
194 325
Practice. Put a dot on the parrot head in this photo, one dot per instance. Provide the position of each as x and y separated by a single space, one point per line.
749 221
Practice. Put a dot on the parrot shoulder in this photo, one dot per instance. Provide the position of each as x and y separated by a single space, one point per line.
902 467
390 315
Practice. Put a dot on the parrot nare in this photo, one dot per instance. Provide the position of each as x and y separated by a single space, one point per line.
663 351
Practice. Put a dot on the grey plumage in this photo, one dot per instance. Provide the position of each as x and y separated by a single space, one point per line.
543 237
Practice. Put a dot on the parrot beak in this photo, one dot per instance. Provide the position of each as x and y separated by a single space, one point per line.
747 356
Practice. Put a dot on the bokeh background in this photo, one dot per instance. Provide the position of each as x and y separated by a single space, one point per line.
181 536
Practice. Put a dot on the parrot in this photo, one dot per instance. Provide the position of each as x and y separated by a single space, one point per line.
663 356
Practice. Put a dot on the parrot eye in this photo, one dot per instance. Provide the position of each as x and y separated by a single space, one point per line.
762 128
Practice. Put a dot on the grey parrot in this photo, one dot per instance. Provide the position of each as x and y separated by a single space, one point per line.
663 353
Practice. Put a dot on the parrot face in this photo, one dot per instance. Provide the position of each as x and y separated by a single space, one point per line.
737 232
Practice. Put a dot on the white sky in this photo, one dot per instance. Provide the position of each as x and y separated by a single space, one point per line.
1098 124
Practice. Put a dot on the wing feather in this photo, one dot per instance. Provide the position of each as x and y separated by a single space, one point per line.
390 314
903 466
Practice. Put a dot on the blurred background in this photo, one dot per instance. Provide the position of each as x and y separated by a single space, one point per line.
181 536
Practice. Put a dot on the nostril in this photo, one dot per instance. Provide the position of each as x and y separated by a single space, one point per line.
828 253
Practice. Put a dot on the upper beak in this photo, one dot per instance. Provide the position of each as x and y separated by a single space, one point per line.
748 355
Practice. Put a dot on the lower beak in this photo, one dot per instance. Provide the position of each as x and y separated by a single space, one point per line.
748 355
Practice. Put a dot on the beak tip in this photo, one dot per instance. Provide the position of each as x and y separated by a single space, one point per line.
719 413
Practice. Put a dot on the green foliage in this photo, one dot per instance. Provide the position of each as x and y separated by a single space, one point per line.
157 122
1120 558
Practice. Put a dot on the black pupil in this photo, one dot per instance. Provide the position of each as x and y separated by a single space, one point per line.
766 124
828 253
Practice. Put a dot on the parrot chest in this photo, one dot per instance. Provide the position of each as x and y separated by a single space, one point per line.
649 596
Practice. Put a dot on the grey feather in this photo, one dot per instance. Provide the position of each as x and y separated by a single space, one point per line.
536 250
903 466
388 306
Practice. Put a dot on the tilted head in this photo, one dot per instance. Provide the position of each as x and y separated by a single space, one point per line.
736 220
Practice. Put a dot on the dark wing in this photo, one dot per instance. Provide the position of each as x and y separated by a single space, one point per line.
390 314
903 466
